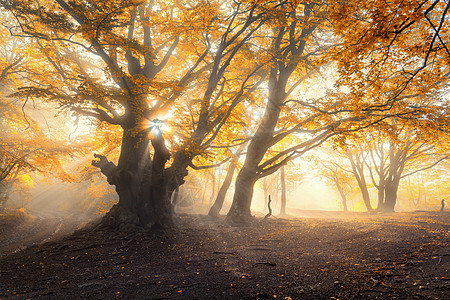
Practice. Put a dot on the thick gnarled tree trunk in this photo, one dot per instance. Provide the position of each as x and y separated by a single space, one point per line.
141 182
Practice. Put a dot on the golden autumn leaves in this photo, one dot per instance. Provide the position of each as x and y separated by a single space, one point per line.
208 65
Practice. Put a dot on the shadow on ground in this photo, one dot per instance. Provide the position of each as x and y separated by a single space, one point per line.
322 255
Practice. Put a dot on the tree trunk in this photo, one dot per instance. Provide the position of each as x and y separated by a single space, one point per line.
141 182
259 144
245 181
213 192
218 203
396 166
342 193
279 74
242 200
390 197
358 172
365 195
265 198
381 196
174 197
390 194
283 192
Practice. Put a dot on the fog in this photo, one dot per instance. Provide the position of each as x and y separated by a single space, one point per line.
52 209
49 211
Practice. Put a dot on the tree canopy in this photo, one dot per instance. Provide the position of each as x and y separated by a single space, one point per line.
185 81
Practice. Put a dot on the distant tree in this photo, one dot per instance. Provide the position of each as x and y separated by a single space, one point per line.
398 159
283 198
391 153
357 160
339 176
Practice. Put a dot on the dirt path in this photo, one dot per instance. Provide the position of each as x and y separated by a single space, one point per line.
333 256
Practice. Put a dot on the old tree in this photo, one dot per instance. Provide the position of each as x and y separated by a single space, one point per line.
136 64
210 70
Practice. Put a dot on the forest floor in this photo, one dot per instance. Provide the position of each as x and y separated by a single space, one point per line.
321 255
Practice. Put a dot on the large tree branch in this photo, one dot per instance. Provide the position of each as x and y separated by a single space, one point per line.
208 166
166 57
106 167
427 167
99 114
221 120
116 73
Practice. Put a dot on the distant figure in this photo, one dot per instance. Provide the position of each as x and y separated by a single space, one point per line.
442 205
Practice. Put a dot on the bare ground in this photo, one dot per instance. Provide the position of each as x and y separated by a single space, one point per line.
322 255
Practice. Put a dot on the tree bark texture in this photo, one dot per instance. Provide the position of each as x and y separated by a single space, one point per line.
140 182
240 209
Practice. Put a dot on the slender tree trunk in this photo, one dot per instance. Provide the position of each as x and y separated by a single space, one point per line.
342 193
218 203
381 189
265 197
283 192
3 194
174 198
220 199
213 192
365 194
358 172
